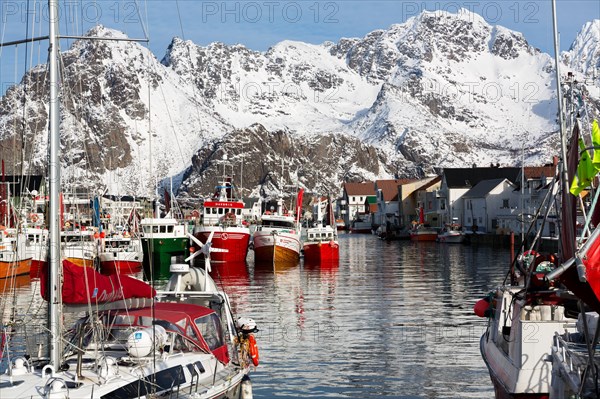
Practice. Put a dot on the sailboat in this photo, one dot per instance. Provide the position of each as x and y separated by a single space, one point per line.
128 345
541 337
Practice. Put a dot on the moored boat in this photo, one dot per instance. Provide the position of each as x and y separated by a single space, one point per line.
321 244
14 259
222 215
121 254
162 238
277 235
37 249
451 234
422 232
80 247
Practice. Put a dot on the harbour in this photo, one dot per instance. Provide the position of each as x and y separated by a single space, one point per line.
391 319
350 248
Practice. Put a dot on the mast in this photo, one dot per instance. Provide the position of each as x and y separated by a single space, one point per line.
54 313
561 115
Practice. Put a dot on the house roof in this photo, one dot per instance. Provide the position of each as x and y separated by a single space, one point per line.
367 188
483 188
470 177
389 188
536 172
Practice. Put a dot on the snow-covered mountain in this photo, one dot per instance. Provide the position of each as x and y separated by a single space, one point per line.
440 90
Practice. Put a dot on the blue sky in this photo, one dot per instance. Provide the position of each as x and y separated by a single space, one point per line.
260 24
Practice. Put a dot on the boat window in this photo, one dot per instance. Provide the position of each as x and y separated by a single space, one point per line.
170 229
239 211
155 229
210 328
220 211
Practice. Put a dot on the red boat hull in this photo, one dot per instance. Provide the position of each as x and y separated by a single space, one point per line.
36 267
423 237
317 252
120 267
236 244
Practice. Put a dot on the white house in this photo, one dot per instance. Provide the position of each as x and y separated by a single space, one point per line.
488 201
354 197
458 181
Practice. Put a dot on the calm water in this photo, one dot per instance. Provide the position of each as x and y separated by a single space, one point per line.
393 319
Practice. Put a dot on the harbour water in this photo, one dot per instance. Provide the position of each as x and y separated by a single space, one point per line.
392 319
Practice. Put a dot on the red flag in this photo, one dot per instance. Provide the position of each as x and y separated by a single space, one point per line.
299 204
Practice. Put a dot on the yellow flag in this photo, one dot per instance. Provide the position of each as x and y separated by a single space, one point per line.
585 171
596 144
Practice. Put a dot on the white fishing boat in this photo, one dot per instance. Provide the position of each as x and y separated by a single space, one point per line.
121 253
277 235
451 234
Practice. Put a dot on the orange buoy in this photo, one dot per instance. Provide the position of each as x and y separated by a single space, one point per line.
253 349
481 307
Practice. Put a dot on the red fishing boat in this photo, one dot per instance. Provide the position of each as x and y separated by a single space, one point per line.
321 243
223 216
421 231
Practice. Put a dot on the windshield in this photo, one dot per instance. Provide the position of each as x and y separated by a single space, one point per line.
210 328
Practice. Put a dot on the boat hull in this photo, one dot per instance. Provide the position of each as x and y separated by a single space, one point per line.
500 390
158 253
81 262
316 252
36 267
16 268
282 248
120 266
234 239
451 238
423 236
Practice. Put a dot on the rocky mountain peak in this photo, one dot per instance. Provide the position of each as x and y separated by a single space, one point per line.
584 54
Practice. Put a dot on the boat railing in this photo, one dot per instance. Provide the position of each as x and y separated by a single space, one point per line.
571 364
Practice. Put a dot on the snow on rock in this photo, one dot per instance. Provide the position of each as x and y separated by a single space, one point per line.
439 90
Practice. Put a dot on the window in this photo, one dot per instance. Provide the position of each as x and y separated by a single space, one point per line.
505 204
442 204
210 328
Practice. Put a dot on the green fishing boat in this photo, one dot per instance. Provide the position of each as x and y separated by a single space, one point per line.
162 238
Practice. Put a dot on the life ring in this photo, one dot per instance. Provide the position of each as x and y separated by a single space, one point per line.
253 348
33 217
224 236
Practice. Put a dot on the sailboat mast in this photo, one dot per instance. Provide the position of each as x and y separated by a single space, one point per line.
561 115
54 176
